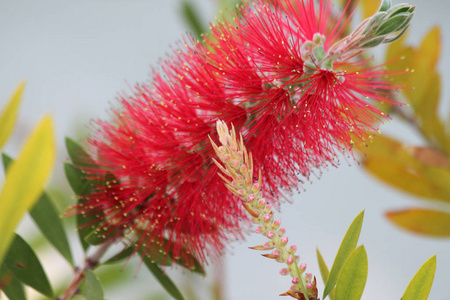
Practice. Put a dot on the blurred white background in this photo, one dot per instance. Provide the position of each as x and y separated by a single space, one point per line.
77 55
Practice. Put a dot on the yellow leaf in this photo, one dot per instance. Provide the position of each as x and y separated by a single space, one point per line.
385 147
429 156
422 221
396 165
370 7
9 114
429 50
404 178
25 179
439 176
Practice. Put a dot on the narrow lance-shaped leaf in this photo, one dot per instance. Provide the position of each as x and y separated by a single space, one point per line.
163 279
30 170
420 286
81 187
422 221
10 285
125 253
93 287
9 114
25 266
348 244
353 276
78 155
190 15
47 218
324 271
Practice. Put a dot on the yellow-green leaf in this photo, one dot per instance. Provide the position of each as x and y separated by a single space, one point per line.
352 278
25 180
8 116
348 244
420 286
422 221
94 289
324 272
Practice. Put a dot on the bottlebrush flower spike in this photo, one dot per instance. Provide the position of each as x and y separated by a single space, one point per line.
287 79
303 286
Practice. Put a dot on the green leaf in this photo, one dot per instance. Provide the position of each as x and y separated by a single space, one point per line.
163 279
352 278
125 253
11 286
78 155
95 238
420 286
9 114
77 181
94 290
324 271
25 265
385 5
348 244
47 218
30 170
191 17
157 255
80 186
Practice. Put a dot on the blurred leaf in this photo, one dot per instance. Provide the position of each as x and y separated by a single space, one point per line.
163 279
9 114
430 49
94 290
80 186
324 271
111 276
423 84
77 181
429 156
399 58
420 286
25 265
394 164
125 253
348 244
352 278
422 221
184 259
11 286
78 155
369 7
47 219
95 238
30 170
192 18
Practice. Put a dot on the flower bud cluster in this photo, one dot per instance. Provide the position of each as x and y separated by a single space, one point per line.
241 173
385 26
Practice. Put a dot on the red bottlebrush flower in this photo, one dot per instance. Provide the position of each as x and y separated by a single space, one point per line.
280 75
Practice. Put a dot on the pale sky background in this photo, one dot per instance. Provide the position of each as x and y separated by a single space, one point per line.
77 55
